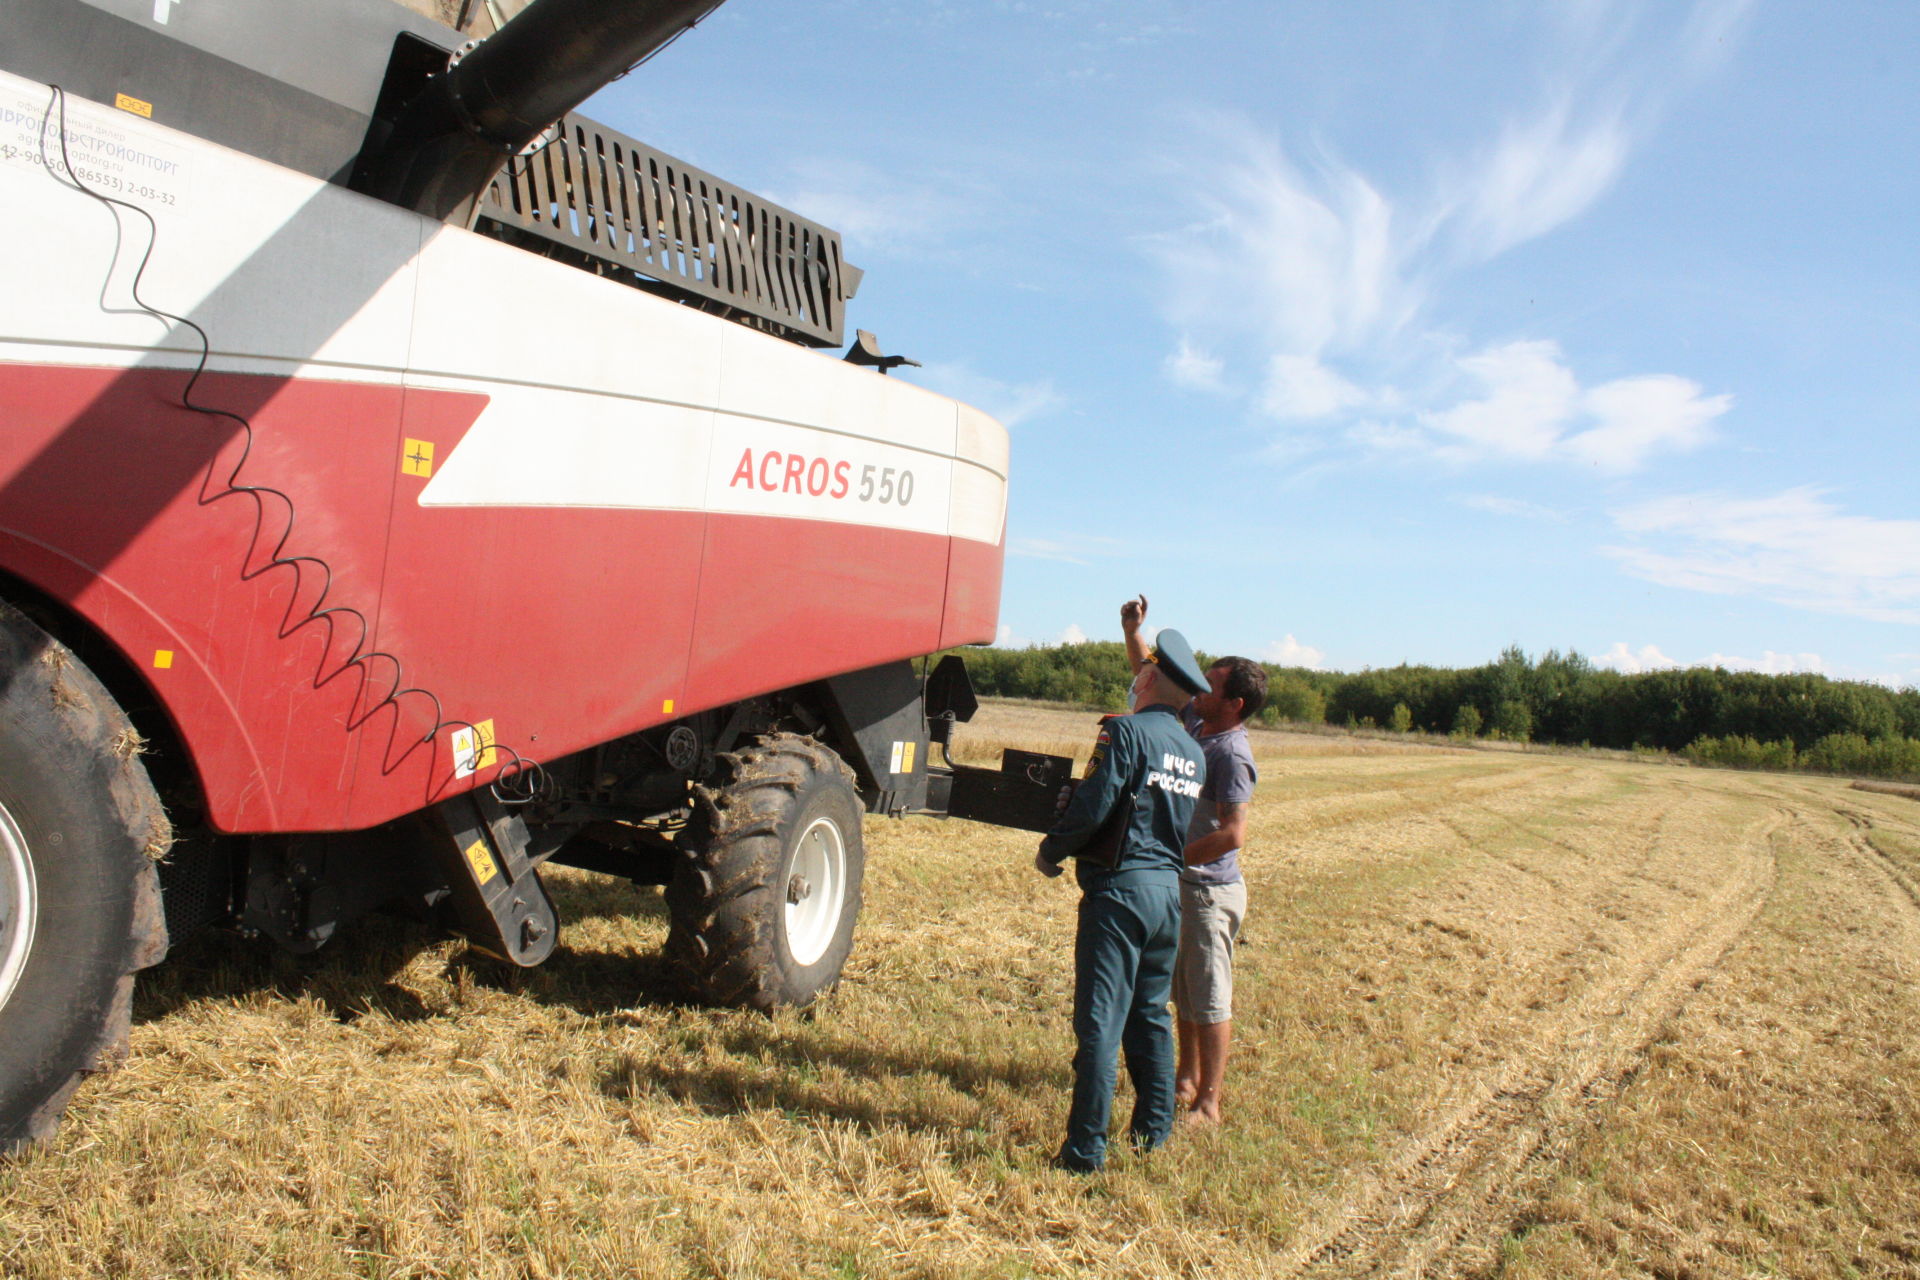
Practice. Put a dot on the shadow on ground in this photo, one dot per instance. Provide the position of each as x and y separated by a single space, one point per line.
805 1067
358 972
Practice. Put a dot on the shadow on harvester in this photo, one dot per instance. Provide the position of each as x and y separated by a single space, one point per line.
799 1070
361 972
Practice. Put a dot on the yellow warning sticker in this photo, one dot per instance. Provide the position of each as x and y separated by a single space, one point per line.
906 757
163 658
416 458
481 861
134 105
473 748
666 708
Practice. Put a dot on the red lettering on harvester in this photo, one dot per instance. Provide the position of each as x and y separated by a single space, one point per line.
840 479
744 470
796 467
817 477
771 458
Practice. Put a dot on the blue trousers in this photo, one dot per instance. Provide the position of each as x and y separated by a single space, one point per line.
1123 954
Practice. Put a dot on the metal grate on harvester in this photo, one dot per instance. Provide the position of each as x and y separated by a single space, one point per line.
620 208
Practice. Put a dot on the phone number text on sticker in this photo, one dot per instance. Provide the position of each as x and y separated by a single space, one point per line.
819 477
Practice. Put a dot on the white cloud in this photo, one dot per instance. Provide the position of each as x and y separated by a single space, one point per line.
1011 403
1794 548
1533 409
1771 663
1645 415
1007 638
1310 270
1072 635
1301 388
1303 278
1188 366
1530 398
1649 658
1634 661
1291 653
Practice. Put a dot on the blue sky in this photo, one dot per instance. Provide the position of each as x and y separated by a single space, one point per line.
1362 332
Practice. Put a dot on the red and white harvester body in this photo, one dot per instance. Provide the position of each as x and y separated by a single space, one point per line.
401 487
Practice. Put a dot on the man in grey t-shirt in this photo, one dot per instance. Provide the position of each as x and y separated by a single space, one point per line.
1213 897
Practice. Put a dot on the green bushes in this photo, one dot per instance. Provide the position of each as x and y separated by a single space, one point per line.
1737 751
1887 756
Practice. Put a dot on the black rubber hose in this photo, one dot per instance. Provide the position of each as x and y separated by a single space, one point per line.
453 136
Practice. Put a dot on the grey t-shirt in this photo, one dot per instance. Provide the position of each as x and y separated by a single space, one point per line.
1231 776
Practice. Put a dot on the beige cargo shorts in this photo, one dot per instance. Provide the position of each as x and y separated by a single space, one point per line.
1210 916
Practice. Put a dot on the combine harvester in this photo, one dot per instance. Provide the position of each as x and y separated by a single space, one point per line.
405 481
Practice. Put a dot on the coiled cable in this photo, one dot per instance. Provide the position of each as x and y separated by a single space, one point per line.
519 780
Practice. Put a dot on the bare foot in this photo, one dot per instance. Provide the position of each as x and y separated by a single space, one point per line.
1202 1114
1184 1092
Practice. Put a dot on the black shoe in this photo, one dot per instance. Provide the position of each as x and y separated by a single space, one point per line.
1070 1165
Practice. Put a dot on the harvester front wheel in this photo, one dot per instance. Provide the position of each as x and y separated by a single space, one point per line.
764 905
79 898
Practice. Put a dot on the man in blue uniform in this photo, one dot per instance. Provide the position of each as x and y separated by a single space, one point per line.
1126 826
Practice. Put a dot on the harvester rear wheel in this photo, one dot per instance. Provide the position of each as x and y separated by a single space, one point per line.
764 906
79 899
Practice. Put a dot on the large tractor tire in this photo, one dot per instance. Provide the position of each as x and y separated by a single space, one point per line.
764 906
80 827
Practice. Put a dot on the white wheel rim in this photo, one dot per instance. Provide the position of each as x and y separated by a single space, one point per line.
19 906
816 890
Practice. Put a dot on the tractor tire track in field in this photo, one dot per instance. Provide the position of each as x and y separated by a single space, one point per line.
1451 1189
1870 854
1374 806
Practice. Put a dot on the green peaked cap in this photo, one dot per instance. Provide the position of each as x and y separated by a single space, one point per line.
1174 655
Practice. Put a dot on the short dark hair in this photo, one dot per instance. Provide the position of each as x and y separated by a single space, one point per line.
1247 681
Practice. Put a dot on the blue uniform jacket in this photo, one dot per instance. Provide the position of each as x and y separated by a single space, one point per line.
1149 757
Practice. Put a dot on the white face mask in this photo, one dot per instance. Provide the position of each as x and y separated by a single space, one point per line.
1133 692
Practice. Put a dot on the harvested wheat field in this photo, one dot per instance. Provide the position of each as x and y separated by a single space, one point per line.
1501 1013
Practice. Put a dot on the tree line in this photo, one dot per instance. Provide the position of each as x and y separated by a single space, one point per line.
1709 714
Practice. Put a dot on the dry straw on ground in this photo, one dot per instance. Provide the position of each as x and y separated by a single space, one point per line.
1500 1014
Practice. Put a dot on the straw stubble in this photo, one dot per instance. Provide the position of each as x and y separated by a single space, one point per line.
1498 1013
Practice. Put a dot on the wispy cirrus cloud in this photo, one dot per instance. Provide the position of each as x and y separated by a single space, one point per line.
1794 548
1291 259
1543 171
1321 286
